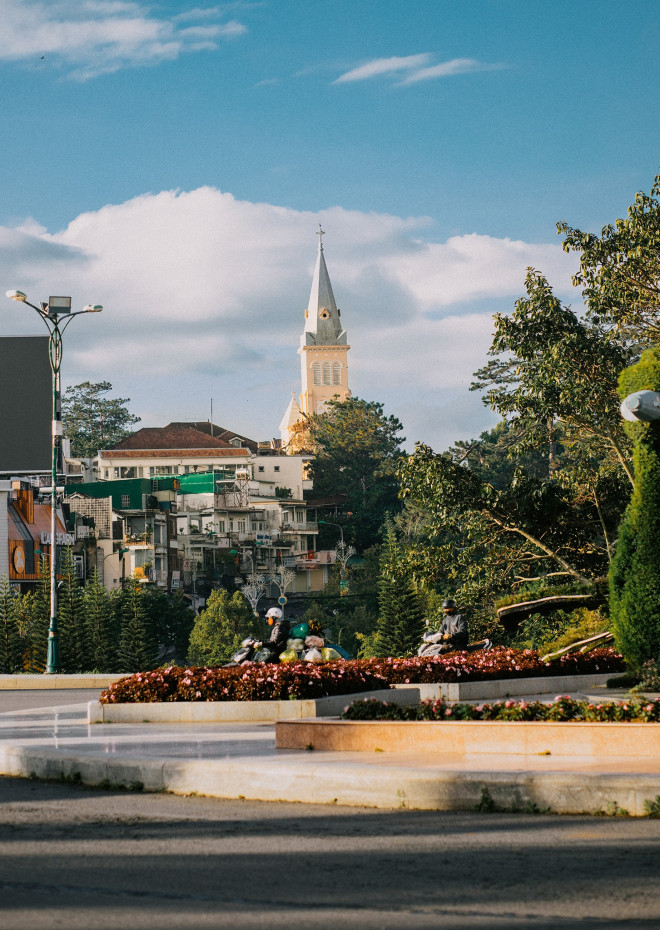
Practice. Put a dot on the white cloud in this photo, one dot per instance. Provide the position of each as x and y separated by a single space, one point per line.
380 66
418 68
93 37
204 297
449 69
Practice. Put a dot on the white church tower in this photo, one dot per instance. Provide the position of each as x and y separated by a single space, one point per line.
323 351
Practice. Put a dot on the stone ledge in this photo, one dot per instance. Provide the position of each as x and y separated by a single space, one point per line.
233 711
595 741
58 682
502 688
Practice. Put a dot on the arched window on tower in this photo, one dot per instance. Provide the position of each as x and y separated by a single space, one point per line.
336 373
327 373
316 372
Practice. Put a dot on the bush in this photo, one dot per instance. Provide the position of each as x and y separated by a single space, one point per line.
583 624
634 577
563 709
305 680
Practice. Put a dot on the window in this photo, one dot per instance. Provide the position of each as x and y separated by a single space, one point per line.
300 516
261 468
327 373
316 371
276 468
336 373
126 500
116 471
241 526
221 526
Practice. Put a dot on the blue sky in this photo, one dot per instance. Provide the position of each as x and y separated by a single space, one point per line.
173 160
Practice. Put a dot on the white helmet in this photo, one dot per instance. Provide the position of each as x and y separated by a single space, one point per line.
275 613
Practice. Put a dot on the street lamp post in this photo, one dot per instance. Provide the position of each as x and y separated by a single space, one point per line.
52 313
342 554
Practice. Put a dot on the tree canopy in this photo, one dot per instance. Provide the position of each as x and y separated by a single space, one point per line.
93 421
357 447
620 269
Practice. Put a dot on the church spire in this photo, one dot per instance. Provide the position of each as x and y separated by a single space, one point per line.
322 318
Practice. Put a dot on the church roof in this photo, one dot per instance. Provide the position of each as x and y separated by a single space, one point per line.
322 317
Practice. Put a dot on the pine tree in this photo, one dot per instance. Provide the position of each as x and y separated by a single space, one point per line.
137 650
101 626
400 610
220 628
33 615
74 645
634 576
10 640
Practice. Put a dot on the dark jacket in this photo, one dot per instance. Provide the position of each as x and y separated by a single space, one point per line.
456 625
279 634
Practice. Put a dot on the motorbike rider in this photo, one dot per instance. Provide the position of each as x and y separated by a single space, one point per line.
279 633
452 635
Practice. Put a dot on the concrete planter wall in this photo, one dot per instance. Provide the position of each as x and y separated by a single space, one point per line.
599 741
503 688
236 711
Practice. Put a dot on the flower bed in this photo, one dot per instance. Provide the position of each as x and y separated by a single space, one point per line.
562 709
497 663
244 683
305 680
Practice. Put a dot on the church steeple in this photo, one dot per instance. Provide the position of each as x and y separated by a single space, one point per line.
323 351
322 318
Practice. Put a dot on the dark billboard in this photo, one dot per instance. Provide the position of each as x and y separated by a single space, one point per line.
25 405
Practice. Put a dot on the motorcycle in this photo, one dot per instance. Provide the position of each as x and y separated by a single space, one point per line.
434 645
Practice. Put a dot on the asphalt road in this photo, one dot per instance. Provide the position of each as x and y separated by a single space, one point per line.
79 858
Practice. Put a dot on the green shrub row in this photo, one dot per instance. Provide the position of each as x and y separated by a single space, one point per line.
562 709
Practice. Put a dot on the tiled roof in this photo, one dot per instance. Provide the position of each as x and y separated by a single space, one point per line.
223 452
173 436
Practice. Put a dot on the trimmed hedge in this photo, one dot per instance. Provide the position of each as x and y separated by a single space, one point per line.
302 680
563 709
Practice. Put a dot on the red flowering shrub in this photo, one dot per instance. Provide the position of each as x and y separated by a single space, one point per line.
245 683
563 709
305 680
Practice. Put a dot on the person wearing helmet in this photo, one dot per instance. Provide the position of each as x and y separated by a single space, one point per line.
279 633
452 635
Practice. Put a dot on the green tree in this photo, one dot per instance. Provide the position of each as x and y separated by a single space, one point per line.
171 621
634 576
356 451
10 640
74 644
33 616
401 612
220 628
93 421
553 376
101 626
488 539
137 649
620 269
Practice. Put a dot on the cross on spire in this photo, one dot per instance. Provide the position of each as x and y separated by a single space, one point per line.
320 234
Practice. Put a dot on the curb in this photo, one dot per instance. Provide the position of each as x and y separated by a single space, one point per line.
57 682
327 782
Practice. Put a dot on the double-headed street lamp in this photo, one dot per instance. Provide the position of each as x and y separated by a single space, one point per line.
57 309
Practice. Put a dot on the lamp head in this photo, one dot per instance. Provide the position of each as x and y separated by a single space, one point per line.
92 308
16 295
